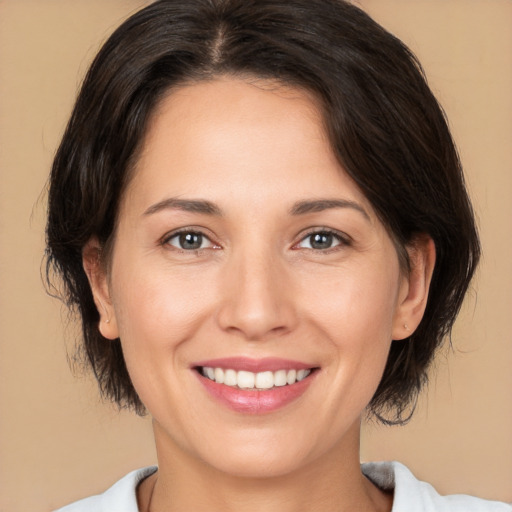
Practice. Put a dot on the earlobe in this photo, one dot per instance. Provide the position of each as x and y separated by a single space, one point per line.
96 274
413 294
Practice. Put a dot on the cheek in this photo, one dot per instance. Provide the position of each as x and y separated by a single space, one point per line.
353 304
355 313
156 308
158 314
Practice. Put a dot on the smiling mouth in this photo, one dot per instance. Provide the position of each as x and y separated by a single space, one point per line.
251 381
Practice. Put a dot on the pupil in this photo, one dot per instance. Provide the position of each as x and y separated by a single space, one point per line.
321 241
191 240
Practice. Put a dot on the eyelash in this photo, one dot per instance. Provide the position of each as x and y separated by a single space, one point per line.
188 231
341 238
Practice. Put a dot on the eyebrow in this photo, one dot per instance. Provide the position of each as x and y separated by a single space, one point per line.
187 205
319 205
209 208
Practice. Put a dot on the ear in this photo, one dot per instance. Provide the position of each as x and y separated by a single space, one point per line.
91 261
413 293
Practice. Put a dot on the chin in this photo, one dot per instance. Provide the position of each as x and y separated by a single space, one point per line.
267 453
259 464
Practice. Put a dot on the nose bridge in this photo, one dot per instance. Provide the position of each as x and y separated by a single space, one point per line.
256 299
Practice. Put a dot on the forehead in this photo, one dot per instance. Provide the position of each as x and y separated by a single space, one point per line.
251 136
210 113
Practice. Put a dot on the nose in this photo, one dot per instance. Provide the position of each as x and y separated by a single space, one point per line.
257 297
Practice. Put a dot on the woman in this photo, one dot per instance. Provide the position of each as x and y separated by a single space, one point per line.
260 214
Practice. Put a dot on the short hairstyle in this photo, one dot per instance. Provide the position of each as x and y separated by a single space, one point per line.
383 122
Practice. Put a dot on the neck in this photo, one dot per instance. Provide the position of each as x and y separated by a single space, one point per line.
332 482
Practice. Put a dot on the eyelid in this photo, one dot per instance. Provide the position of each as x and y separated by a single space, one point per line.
344 239
188 229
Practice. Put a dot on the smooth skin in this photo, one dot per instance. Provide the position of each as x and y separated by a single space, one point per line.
241 235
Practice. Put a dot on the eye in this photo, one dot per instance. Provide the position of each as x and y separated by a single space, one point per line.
189 241
321 240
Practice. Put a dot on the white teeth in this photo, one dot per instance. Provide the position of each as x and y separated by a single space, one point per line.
219 375
230 378
301 374
280 378
245 380
249 380
264 380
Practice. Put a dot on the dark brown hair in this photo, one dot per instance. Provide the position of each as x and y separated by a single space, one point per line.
384 124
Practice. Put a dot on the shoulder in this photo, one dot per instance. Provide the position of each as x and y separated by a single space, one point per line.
412 494
121 497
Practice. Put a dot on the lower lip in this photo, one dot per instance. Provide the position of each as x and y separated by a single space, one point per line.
258 401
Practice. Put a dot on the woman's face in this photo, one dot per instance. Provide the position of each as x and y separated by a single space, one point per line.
245 253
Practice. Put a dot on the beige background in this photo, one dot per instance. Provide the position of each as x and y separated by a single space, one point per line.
58 442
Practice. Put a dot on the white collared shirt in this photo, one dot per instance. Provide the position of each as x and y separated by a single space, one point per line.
410 494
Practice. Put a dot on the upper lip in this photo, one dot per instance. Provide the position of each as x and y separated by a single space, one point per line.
271 364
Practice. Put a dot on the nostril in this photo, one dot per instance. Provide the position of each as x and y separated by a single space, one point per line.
254 324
